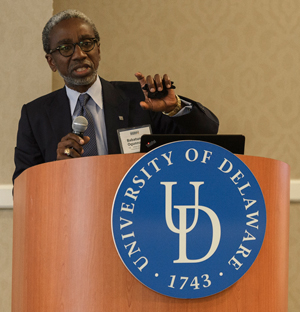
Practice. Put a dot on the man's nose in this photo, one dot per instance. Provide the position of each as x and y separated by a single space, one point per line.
78 53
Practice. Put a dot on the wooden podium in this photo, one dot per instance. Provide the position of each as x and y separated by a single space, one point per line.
64 258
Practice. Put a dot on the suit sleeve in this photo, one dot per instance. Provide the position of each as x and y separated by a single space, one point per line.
199 121
27 151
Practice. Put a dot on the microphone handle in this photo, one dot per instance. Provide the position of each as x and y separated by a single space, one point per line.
78 133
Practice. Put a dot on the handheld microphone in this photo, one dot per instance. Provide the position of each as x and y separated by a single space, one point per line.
79 125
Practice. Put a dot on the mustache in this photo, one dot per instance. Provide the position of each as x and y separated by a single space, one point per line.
76 65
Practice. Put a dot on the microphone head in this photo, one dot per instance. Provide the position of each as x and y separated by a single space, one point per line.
79 124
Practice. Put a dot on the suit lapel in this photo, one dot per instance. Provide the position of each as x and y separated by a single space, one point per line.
60 115
116 112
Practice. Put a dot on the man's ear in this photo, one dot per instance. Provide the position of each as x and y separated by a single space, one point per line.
99 52
51 62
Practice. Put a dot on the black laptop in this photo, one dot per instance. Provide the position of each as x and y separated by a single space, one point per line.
235 143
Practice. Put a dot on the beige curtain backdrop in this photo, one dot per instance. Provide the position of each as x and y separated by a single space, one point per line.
239 58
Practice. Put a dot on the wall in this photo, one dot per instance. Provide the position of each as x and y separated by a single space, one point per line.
24 76
239 58
294 263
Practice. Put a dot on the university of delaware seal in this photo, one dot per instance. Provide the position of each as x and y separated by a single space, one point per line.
188 219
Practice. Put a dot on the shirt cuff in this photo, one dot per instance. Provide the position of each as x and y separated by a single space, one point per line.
185 110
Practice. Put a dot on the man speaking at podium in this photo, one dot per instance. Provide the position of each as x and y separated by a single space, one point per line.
72 45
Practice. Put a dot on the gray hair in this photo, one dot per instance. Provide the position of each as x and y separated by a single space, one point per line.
64 15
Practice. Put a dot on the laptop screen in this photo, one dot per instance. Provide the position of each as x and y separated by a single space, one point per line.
235 143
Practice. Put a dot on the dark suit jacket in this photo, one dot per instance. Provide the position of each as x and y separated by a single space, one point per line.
47 119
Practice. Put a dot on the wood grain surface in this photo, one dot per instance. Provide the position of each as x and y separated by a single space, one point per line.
64 258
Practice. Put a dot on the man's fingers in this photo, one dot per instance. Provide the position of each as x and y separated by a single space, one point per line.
154 84
144 105
155 106
71 146
140 77
158 81
167 81
150 83
73 137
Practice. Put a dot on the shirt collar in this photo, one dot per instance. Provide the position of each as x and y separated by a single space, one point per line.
95 92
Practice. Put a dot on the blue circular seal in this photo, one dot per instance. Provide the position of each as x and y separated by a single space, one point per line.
188 219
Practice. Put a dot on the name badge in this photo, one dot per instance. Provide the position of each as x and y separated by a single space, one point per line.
130 138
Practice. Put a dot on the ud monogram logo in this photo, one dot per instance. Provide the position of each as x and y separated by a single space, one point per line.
188 219
182 230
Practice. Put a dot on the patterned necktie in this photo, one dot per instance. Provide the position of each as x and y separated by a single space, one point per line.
90 149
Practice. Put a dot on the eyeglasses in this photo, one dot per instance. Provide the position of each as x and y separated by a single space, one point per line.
68 49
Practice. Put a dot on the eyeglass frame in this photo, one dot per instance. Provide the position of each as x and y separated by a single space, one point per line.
74 46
